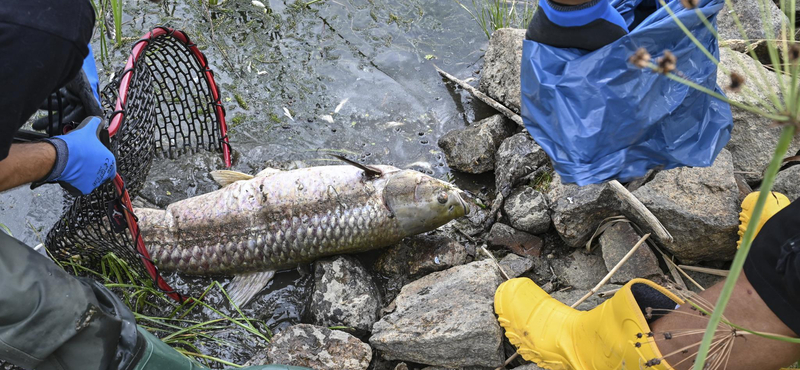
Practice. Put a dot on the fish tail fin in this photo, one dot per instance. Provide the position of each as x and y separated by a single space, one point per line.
244 287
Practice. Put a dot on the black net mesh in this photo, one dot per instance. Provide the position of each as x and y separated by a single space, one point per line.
170 108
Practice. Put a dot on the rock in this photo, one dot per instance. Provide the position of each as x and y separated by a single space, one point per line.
788 182
517 157
515 265
615 242
420 255
473 223
752 140
472 149
318 348
580 270
699 208
500 73
530 366
445 319
750 17
527 210
344 294
519 242
578 211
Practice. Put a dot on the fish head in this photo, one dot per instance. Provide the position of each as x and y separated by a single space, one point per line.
422 203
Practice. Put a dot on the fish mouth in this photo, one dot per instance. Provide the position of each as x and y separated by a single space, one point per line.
463 203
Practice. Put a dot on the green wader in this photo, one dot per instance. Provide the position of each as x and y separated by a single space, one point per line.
52 320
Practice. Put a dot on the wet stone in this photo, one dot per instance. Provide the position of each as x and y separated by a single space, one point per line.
426 326
318 348
749 13
788 182
515 265
421 254
570 296
344 294
472 149
500 73
578 211
519 242
580 270
699 207
615 242
517 157
527 210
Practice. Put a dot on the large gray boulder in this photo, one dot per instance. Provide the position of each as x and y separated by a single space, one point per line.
317 348
344 294
445 319
577 211
616 242
699 207
472 149
752 141
517 157
580 270
500 73
527 210
749 15
788 182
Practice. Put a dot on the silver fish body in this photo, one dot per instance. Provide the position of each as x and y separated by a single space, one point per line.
278 220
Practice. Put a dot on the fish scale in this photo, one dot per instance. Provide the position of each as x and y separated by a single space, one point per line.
280 219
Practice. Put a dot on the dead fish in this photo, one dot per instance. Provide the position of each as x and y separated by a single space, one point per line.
277 220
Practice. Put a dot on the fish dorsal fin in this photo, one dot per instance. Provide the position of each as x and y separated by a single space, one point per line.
268 172
244 287
227 177
369 171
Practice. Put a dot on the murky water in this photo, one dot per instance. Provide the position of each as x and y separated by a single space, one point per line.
351 77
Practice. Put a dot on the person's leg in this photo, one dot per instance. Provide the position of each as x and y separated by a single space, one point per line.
766 299
582 24
51 320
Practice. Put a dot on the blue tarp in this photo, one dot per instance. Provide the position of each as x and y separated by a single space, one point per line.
600 118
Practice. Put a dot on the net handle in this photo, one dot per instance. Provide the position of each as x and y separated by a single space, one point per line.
127 73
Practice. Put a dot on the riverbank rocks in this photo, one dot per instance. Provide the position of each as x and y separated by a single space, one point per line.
472 149
318 348
577 211
752 141
344 294
699 208
519 242
570 296
500 73
517 157
616 242
514 265
580 270
527 210
749 15
421 254
788 182
445 319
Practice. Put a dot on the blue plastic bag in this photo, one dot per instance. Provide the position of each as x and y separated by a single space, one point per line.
600 118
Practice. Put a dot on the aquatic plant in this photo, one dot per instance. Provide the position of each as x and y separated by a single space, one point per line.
782 106
159 314
492 15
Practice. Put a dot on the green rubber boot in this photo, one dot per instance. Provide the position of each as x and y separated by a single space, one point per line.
159 356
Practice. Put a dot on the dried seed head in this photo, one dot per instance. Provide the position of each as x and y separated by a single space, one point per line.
794 52
689 4
737 81
640 58
649 315
667 63
639 335
653 362
637 345
667 335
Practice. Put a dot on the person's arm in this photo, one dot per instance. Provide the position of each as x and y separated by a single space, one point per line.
26 163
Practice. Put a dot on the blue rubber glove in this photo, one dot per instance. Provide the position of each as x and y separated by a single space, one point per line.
82 160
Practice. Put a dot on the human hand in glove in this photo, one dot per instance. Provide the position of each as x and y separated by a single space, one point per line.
587 25
73 103
82 160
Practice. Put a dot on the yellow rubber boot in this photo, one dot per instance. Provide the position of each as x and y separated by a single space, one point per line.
614 335
775 202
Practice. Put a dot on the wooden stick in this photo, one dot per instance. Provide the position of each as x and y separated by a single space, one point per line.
483 248
641 212
705 270
613 271
483 97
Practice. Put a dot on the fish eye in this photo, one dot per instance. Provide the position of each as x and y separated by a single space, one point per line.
442 197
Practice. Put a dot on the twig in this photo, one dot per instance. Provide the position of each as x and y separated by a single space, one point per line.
483 248
640 212
483 97
613 271
705 270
